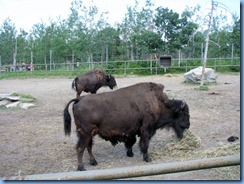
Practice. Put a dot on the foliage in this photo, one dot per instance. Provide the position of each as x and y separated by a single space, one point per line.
85 36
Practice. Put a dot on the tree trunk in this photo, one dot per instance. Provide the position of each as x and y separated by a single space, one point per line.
206 44
15 55
132 53
106 54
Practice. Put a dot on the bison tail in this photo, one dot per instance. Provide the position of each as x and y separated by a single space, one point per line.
67 118
74 83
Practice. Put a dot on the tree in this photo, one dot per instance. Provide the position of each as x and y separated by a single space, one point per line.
167 22
39 43
175 30
235 35
207 42
135 23
106 40
127 28
149 42
23 47
8 42
86 22
142 32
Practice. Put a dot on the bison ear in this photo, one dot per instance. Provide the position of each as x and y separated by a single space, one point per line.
175 105
161 86
99 74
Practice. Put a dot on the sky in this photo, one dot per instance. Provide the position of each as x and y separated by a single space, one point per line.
25 13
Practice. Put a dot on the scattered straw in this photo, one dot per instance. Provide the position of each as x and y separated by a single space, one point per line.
223 150
189 148
188 142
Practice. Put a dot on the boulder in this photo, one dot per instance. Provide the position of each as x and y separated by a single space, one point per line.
13 98
195 75
3 102
14 104
26 105
4 95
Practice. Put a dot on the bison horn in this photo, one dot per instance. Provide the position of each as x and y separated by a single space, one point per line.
183 104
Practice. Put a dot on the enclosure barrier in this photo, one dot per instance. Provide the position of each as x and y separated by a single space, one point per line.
137 171
128 67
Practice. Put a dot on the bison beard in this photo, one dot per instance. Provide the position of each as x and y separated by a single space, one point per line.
121 115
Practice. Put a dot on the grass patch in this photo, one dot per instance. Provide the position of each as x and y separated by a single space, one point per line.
24 97
203 88
24 101
4 108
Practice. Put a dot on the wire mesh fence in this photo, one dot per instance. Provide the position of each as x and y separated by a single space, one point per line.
128 67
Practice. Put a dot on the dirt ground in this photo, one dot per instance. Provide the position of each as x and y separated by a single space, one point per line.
33 141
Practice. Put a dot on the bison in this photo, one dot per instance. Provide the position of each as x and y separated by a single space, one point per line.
121 115
92 81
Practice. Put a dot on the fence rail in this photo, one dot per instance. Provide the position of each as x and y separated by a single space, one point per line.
124 67
137 171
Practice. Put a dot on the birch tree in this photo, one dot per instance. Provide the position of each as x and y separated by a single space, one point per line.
207 42
210 26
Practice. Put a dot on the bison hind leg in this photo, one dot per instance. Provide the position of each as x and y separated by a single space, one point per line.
79 90
89 149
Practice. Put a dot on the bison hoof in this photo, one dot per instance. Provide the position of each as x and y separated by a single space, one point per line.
81 168
147 159
93 162
130 154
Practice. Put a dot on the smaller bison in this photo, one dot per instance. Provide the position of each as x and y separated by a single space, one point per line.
92 81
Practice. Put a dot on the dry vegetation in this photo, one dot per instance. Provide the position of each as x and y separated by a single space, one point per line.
33 142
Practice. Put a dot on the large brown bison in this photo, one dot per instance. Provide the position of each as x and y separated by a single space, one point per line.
121 115
92 81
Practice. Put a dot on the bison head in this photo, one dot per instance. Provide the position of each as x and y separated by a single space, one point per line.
181 118
110 80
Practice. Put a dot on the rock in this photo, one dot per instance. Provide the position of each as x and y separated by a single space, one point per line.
3 96
27 100
13 98
26 105
3 102
14 104
195 75
15 101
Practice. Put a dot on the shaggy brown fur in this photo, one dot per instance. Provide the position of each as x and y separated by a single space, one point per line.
92 81
121 115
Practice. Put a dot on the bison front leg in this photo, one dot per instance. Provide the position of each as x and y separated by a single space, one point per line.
89 149
144 144
129 144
